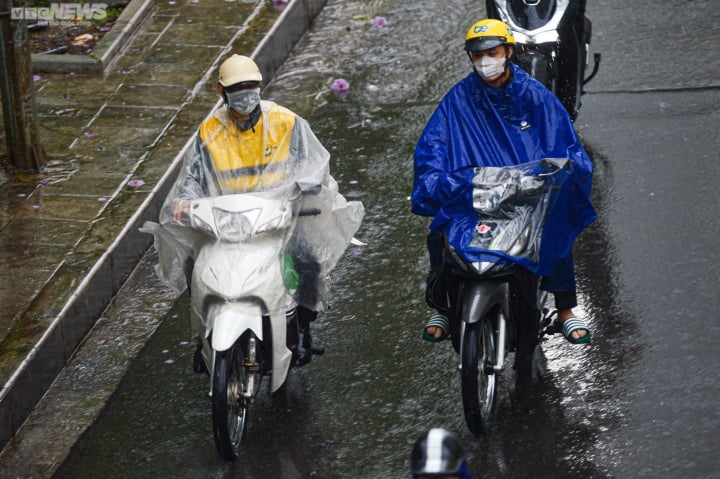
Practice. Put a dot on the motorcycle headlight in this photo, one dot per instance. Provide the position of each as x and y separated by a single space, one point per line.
234 226
274 223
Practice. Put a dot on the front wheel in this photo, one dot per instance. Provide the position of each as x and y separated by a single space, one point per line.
477 375
229 404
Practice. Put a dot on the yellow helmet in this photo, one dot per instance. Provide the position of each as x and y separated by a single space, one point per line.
238 69
487 34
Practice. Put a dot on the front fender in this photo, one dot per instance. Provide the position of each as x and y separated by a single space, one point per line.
229 321
481 297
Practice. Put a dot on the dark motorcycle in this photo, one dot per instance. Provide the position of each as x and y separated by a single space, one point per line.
497 306
553 44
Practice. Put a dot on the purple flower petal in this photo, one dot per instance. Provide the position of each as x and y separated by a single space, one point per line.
135 183
340 85
37 77
169 361
35 207
379 22
90 133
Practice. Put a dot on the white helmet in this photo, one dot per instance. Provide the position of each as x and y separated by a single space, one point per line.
439 452
238 69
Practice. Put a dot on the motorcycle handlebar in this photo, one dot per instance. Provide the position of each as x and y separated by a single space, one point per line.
309 212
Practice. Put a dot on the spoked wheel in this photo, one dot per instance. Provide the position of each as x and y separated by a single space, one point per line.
477 375
229 404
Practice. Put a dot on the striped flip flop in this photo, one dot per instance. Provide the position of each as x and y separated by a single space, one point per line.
573 324
437 321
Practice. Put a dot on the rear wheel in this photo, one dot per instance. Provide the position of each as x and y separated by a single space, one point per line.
477 375
229 404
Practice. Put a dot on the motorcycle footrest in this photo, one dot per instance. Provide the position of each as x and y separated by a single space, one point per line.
550 330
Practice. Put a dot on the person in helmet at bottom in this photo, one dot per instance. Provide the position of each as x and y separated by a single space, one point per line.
253 145
498 116
438 454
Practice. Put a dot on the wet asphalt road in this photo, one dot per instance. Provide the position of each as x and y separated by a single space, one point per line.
642 401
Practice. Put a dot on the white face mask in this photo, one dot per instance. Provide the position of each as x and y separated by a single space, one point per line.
244 101
489 68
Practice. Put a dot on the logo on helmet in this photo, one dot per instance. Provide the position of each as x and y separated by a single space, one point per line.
481 28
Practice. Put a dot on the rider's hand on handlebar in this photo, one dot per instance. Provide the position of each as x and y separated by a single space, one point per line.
179 209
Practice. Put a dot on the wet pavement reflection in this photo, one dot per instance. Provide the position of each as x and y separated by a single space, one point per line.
615 409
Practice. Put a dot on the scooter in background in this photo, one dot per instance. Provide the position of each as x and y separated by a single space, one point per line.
553 44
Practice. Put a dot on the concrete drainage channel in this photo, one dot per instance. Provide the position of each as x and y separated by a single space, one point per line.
34 373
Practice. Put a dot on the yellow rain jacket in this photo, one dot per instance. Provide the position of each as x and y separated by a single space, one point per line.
250 160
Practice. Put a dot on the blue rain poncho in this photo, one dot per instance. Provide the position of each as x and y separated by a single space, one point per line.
474 126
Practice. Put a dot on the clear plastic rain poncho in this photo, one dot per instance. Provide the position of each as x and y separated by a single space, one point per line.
279 158
512 202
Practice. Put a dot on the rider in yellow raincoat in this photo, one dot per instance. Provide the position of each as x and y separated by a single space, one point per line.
254 145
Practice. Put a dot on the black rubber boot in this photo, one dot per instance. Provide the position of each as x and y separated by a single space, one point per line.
304 350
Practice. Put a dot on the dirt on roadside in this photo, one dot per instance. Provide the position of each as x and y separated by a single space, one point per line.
71 38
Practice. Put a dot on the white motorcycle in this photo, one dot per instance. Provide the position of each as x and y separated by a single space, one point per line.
242 288
553 44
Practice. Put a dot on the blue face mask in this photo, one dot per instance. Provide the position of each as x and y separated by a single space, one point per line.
243 101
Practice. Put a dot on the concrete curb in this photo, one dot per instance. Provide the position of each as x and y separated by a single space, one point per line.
106 49
46 359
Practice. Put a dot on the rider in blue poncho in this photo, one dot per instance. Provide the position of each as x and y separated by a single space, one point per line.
500 116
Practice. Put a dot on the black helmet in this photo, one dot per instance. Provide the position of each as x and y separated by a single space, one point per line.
438 451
